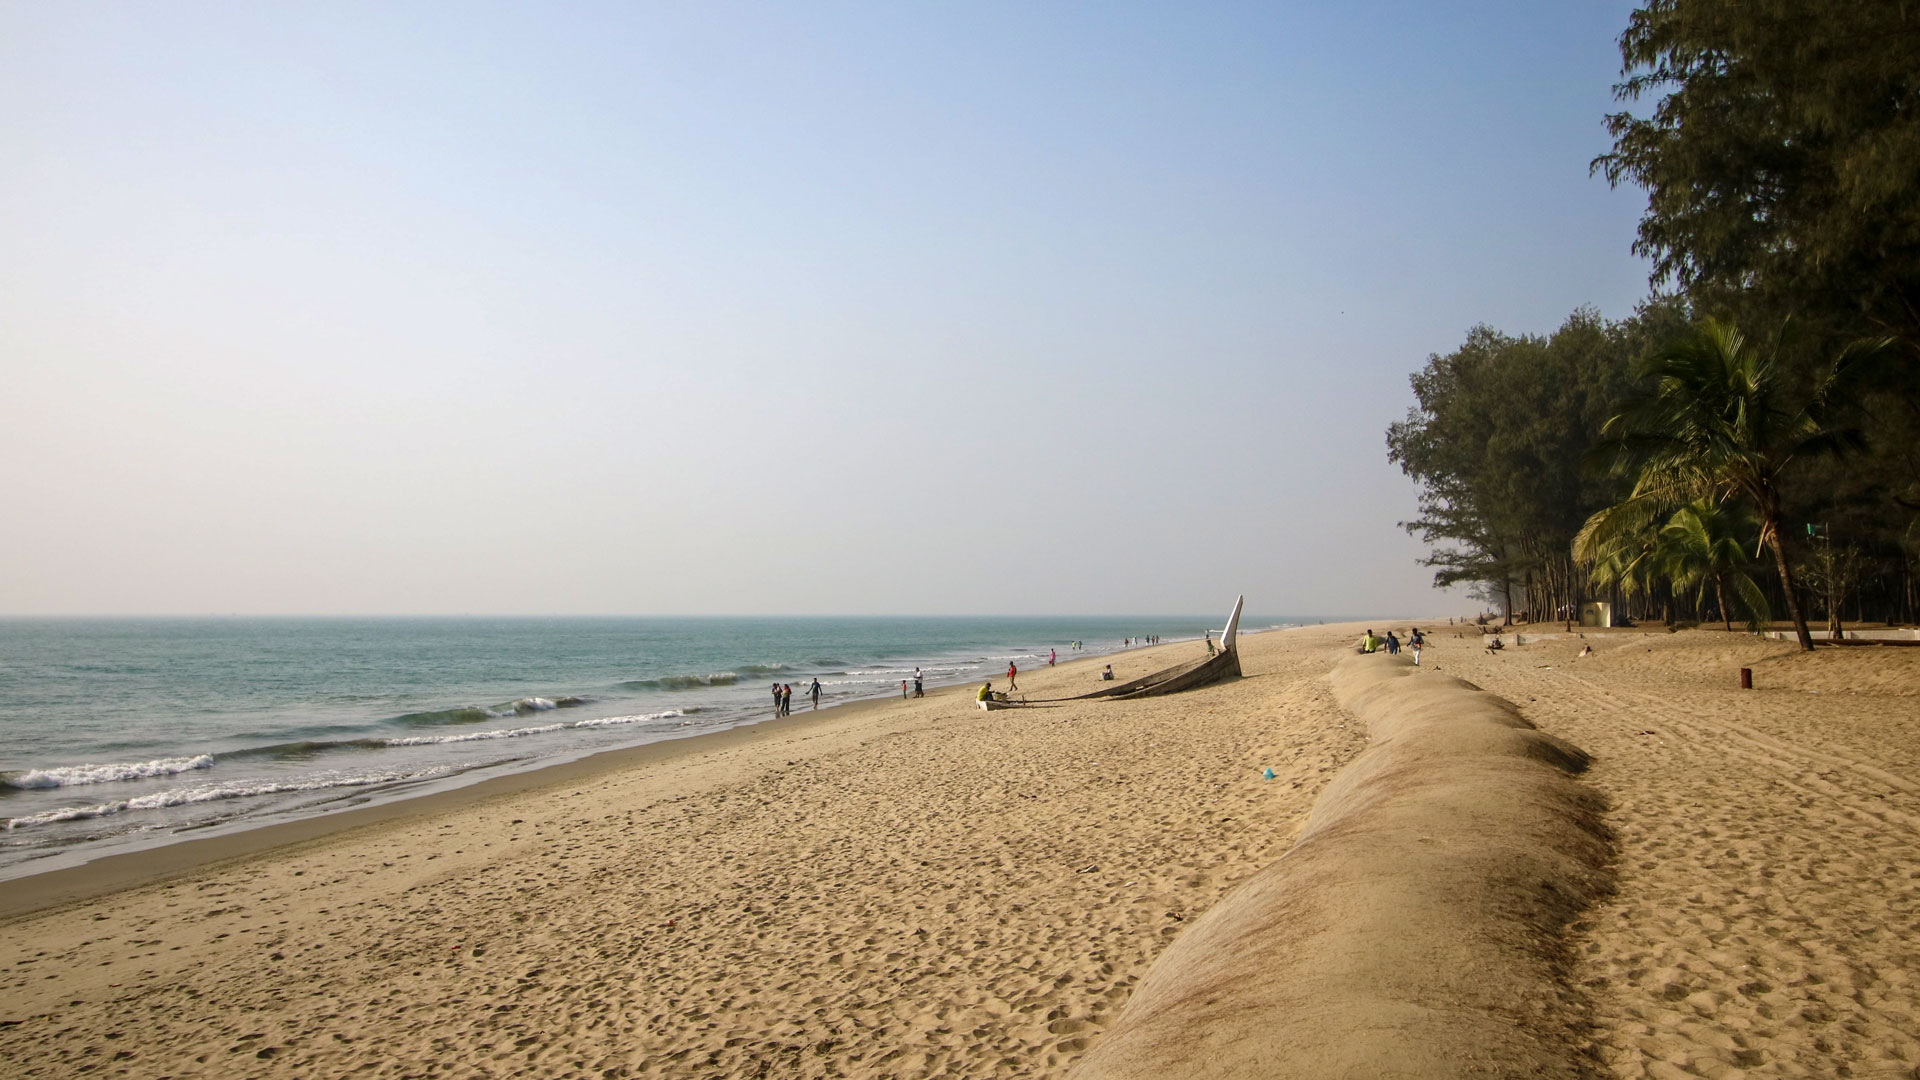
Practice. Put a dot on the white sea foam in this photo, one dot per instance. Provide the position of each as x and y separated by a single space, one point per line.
610 721
205 793
543 729
475 736
75 775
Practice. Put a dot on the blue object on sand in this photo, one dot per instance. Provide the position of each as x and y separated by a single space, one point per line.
1266 774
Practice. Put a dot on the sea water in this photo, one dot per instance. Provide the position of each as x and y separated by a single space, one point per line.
118 733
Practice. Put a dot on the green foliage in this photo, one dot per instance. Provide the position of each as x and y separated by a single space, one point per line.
1779 159
1702 546
1498 441
1779 145
1715 421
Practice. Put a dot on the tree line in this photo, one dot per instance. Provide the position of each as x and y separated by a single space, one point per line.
1745 445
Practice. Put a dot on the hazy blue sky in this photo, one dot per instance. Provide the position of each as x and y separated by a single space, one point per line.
700 307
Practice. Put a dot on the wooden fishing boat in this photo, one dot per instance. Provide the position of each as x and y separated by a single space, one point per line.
1223 664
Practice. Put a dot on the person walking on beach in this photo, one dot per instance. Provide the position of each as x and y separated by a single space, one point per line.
1393 644
1011 672
1414 641
1052 655
776 699
814 693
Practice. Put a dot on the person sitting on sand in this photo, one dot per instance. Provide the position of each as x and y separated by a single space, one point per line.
1588 651
986 692
1107 675
1494 644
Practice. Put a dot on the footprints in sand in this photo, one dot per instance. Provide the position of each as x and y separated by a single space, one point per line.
1768 914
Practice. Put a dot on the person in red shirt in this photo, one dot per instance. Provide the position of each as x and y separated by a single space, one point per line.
1011 672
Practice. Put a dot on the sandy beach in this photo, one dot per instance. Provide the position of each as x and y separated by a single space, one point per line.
919 888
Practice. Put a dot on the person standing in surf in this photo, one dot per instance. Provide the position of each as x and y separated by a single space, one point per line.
814 693
776 699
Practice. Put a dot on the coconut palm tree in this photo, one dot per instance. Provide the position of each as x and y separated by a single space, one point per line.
1716 423
1700 546
1628 559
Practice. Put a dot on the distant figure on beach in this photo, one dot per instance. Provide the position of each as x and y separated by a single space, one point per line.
1588 651
917 691
1494 644
1414 641
814 693
903 689
1107 675
1393 644
1052 656
776 699
1210 649
1012 673
786 699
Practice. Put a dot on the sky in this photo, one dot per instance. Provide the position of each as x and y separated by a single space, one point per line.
637 308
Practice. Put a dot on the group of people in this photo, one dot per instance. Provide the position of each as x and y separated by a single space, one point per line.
1371 643
1149 639
783 697
916 686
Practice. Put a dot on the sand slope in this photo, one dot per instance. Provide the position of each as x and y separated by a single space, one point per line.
1414 930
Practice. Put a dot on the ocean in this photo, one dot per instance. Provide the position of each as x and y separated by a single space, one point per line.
123 733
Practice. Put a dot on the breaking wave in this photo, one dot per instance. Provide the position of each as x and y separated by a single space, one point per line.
206 793
76 775
520 733
682 682
475 714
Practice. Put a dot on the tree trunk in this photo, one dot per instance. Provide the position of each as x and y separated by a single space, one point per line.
1771 526
1720 595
